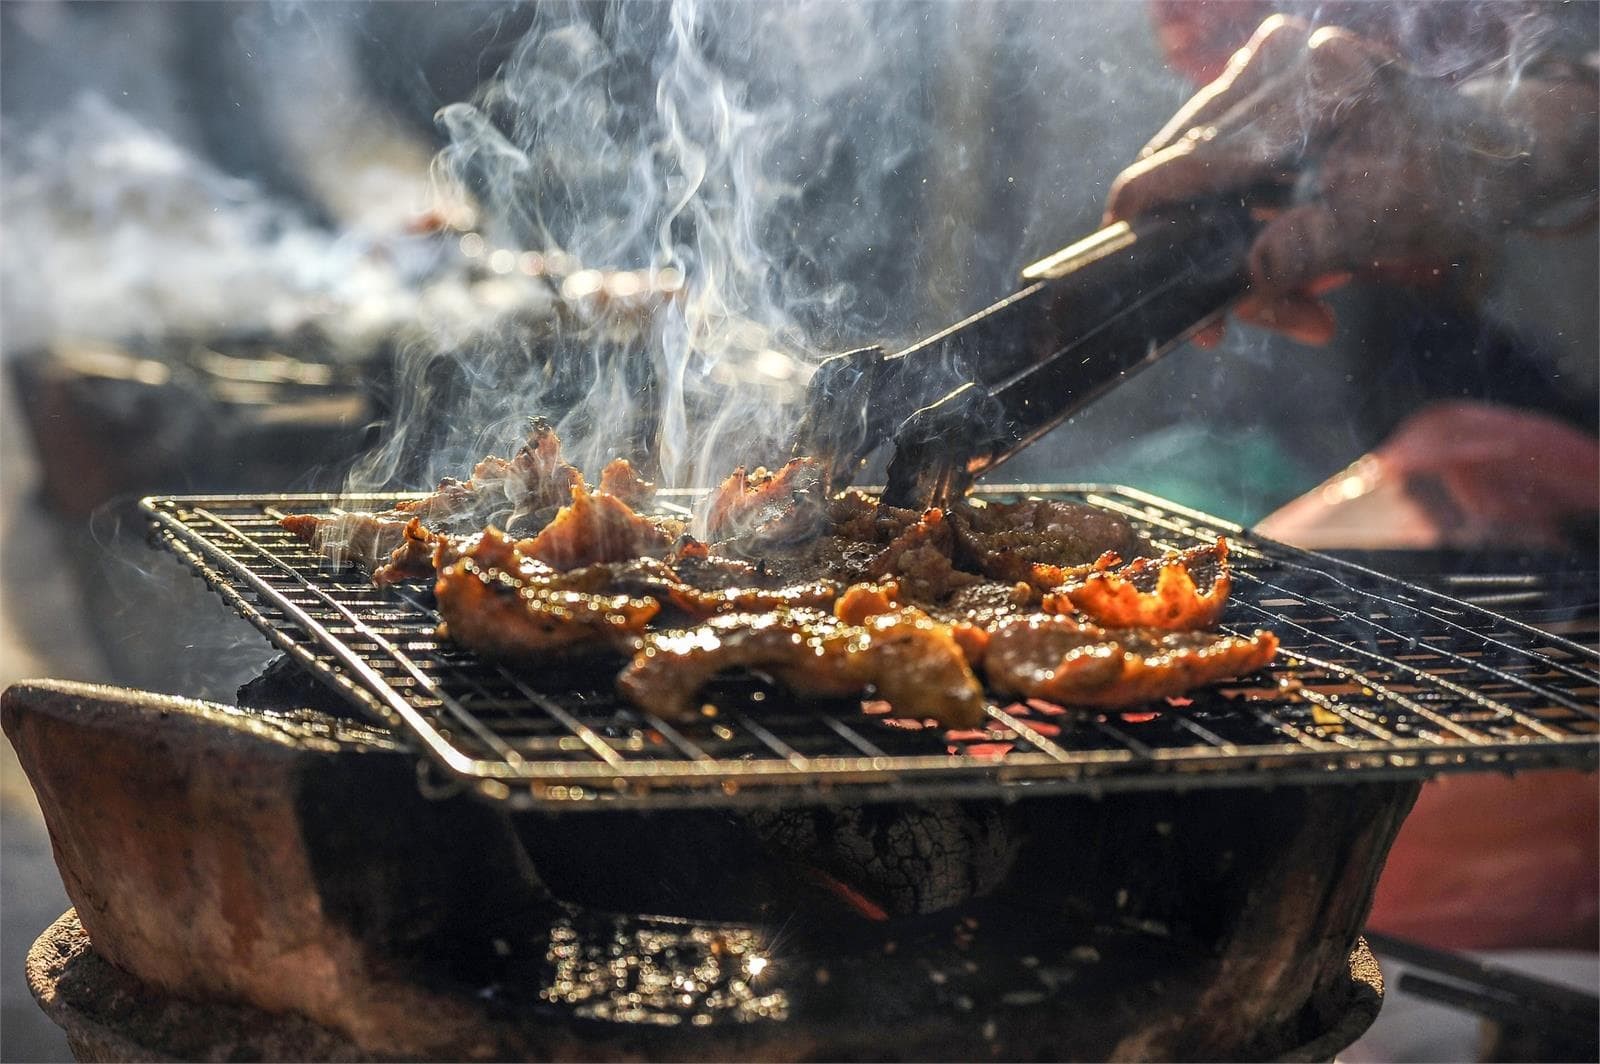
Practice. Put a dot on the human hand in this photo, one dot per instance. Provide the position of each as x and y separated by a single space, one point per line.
1455 474
1397 175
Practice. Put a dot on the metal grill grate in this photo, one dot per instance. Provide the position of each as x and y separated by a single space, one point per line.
1376 679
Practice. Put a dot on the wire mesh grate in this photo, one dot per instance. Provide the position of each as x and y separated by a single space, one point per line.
1376 679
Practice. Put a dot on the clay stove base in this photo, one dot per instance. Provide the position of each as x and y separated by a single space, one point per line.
108 1015
288 860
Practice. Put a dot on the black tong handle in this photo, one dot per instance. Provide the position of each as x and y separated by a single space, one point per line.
1094 314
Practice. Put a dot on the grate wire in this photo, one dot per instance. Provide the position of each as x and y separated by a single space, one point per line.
1377 679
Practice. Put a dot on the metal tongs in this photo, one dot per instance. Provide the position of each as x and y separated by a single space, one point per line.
962 401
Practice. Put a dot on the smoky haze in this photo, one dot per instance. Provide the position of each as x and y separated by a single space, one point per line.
816 176
819 175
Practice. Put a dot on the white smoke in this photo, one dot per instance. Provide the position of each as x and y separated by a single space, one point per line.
821 175
114 231
750 149
815 175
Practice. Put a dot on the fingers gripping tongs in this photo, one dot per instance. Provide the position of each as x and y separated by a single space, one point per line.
964 400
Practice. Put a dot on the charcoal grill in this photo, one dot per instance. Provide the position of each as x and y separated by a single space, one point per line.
1377 679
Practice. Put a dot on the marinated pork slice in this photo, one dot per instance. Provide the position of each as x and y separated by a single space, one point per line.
497 601
397 546
695 564
987 603
412 559
848 546
596 527
909 660
861 602
971 613
822 557
368 538
1096 530
619 478
537 476
1067 661
1039 540
507 491
705 587
536 479
452 502
1152 593
856 516
918 559
763 508
696 603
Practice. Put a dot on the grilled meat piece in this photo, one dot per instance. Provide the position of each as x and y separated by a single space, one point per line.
503 604
697 603
863 541
534 480
969 626
860 517
503 490
1093 529
910 660
1067 661
694 563
596 527
822 557
703 588
860 602
413 559
986 603
368 538
1039 540
975 611
1044 577
1152 593
1010 588
918 559
763 508
619 478
397 546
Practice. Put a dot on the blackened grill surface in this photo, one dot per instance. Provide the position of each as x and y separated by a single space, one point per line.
1376 679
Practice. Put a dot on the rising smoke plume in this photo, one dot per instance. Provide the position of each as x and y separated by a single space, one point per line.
764 153
773 156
